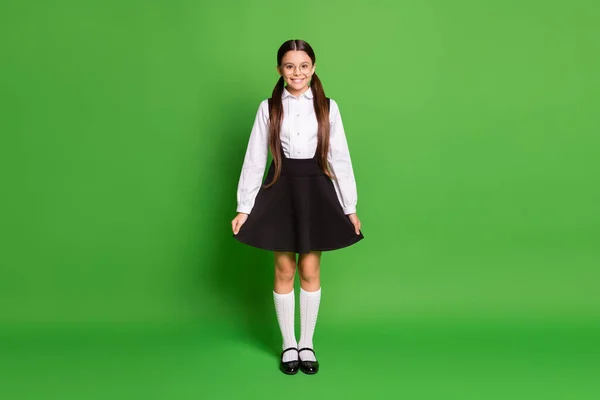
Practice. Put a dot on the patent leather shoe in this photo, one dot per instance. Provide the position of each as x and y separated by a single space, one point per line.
308 367
289 367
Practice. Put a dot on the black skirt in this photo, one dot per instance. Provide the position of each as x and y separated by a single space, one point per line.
299 213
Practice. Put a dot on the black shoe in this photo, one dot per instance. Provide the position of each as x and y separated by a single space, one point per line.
289 367
308 367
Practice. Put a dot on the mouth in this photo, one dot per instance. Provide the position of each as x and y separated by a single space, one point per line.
297 80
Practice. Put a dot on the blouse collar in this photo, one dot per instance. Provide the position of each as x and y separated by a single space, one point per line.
308 94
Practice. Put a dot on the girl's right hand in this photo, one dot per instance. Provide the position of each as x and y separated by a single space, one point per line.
238 221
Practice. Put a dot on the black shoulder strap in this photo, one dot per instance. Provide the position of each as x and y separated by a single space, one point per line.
270 101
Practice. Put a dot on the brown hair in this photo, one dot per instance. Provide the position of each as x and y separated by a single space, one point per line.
276 112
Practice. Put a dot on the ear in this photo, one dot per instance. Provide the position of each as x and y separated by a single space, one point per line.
278 70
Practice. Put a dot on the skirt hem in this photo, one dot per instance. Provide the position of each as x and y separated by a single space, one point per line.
295 250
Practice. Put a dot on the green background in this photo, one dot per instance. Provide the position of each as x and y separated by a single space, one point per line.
474 132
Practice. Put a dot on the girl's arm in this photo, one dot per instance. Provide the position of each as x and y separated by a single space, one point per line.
340 162
255 161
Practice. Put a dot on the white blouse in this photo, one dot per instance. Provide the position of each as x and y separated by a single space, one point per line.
298 140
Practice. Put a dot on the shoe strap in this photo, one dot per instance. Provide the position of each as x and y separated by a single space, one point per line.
288 349
306 348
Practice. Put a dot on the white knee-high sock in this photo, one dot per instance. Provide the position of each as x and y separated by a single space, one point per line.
284 306
309 308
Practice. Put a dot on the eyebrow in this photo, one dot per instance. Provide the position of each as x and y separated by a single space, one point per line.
303 62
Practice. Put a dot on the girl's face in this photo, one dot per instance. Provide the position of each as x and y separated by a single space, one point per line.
297 69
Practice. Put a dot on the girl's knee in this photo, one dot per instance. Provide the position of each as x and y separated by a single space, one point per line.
310 273
285 266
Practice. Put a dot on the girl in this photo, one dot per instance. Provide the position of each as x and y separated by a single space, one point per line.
308 201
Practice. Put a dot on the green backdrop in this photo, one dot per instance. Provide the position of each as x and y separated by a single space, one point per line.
474 132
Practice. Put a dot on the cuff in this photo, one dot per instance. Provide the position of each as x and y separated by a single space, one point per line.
349 210
244 209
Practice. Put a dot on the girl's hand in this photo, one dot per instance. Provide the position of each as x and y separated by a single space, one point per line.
356 222
237 222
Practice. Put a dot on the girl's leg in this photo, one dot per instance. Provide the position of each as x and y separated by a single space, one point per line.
285 270
283 295
310 296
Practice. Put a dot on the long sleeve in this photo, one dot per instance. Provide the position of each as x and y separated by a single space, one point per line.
255 161
340 162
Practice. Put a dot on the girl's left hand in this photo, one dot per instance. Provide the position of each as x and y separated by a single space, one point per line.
356 222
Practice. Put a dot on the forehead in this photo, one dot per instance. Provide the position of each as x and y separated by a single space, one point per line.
295 57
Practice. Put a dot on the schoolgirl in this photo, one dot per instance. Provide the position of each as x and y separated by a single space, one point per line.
307 202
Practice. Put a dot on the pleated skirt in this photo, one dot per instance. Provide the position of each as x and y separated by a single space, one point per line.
299 213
